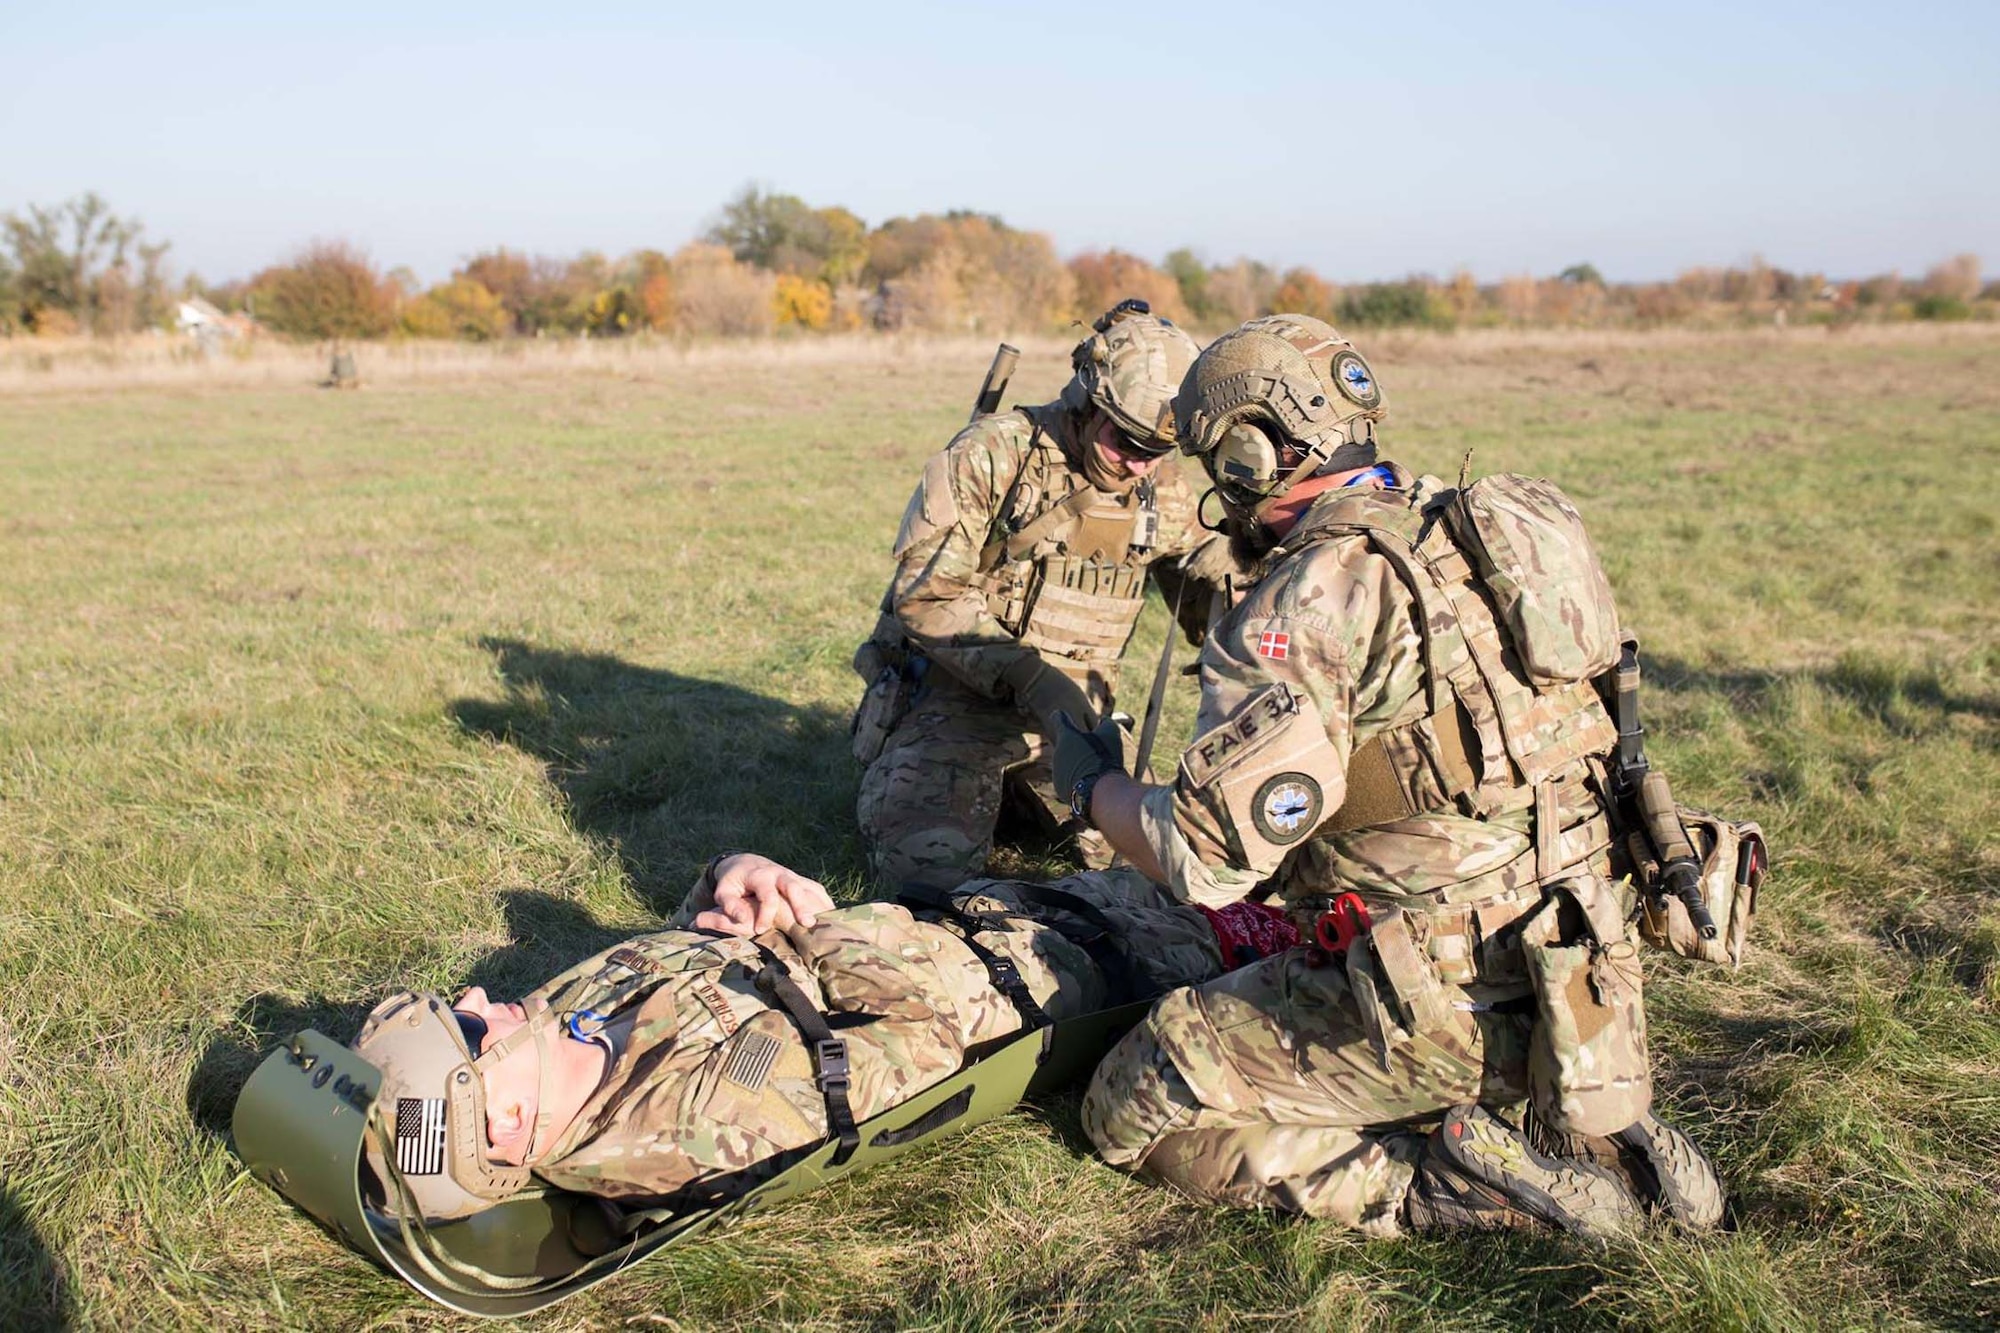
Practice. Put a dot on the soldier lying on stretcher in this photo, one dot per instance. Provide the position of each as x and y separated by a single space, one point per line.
684 1066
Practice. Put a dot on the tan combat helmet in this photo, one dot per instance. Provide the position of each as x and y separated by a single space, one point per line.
432 1106
1274 402
1130 366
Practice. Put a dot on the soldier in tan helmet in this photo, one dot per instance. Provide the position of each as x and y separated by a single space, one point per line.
683 1066
1021 567
1401 732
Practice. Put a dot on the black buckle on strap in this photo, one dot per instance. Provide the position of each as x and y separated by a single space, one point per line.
830 1065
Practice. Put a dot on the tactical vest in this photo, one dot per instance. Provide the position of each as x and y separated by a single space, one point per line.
1065 569
1517 622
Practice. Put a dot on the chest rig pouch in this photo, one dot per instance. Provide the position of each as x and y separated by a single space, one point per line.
1066 568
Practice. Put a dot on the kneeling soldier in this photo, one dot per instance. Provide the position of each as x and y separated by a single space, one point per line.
1021 566
1401 731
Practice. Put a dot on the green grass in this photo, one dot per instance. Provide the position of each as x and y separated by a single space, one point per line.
304 696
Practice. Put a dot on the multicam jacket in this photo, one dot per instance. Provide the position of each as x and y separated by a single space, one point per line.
1072 598
1374 643
710 1082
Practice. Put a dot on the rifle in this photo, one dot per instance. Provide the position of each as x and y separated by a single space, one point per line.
1647 803
995 384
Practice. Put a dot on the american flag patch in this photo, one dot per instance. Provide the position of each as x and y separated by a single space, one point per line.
420 1136
1274 644
751 1064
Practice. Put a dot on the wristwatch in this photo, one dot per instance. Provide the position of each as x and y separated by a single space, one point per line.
1079 796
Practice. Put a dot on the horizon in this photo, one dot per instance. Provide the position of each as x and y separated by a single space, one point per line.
1813 137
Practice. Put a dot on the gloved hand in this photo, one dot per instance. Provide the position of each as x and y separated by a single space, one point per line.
1044 691
1079 753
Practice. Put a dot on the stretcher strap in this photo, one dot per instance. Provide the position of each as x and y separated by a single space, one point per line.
1007 980
1116 966
1000 969
829 1053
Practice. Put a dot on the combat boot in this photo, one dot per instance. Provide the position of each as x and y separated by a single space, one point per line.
1671 1173
1656 1161
1479 1172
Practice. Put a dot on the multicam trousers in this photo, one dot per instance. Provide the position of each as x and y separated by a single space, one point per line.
1260 1089
930 803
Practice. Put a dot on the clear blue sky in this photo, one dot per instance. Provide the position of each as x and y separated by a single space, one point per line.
1366 140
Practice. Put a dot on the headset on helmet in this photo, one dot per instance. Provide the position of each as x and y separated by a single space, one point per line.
1130 367
1274 402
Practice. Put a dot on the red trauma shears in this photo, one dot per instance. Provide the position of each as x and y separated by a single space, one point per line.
1341 924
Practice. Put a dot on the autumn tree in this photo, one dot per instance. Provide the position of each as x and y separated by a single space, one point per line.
511 277
801 302
653 289
10 301
75 258
1239 291
1106 277
784 234
965 271
460 308
1303 292
715 294
1191 276
1957 279
329 291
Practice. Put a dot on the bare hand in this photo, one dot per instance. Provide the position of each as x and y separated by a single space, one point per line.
754 894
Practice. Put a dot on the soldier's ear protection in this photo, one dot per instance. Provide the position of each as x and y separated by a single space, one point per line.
1249 461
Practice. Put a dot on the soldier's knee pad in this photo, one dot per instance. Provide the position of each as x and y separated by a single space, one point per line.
936 857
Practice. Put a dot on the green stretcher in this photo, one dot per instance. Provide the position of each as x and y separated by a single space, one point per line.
302 1118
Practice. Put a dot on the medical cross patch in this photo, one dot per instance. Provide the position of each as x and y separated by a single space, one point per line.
1274 644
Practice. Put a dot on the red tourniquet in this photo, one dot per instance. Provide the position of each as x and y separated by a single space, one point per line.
1249 931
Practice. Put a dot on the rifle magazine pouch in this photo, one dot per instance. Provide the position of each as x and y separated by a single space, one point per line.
882 709
1733 860
1587 1066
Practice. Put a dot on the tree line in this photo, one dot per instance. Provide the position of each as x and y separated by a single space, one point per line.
771 262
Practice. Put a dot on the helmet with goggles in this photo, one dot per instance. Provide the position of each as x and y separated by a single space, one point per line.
1279 399
1129 367
429 1147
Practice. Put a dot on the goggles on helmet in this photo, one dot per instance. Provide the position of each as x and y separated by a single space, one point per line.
1135 446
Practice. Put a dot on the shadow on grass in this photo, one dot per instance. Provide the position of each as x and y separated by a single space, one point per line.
669 770
1880 689
549 935
34 1293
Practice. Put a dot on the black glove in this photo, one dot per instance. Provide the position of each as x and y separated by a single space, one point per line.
1081 756
1043 691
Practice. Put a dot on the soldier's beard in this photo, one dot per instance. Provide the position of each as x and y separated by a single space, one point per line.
1249 540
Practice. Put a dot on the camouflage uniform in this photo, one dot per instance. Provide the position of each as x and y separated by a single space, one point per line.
965 614
1368 727
710 1083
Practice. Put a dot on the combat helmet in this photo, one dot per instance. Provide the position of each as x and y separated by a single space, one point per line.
1130 366
432 1107
1275 401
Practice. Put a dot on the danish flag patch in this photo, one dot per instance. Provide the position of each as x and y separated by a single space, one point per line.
1274 644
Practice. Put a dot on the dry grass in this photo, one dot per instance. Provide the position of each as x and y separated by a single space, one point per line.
33 366
448 680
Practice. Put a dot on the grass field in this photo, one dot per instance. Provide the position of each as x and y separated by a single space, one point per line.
306 696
